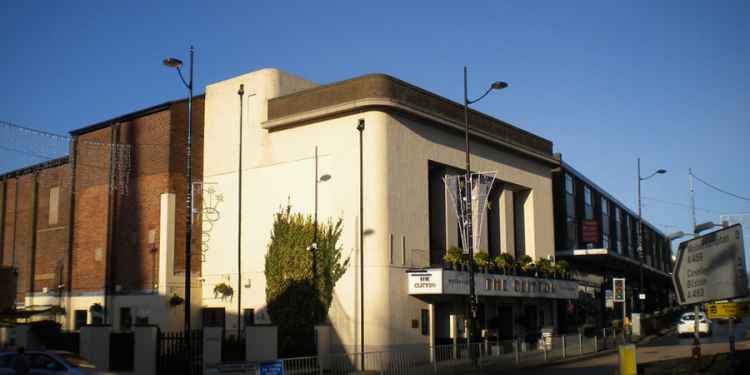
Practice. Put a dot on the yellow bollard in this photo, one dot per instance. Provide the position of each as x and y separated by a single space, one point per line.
628 361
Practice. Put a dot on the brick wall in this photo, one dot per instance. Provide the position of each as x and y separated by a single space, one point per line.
34 242
35 234
90 210
53 187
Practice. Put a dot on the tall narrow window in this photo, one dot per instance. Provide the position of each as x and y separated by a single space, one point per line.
570 213
403 250
618 229
436 211
589 209
519 199
425 322
54 204
390 250
605 223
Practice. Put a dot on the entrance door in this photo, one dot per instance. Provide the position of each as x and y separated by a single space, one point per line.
505 317
532 323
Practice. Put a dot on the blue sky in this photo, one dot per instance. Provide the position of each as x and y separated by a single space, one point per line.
606 81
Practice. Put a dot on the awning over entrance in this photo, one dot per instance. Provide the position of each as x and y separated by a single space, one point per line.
437 281
612 259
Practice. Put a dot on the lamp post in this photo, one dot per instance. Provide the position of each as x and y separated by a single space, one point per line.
361 129
241 93
314 245
472 305
639 228
177 64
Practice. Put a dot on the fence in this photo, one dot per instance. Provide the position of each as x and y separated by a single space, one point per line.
180 352
449 359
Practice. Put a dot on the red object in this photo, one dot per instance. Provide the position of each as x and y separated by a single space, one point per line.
590 229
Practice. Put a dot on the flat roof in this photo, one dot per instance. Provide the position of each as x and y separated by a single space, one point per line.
30 168
129 116
389 89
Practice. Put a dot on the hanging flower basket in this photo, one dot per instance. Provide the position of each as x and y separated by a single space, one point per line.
223 290
176 300
96 308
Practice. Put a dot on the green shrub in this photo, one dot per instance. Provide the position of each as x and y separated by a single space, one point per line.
297 300
454 256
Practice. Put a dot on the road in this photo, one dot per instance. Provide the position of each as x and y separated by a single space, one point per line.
664 348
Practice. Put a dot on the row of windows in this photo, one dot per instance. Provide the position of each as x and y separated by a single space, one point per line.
618 233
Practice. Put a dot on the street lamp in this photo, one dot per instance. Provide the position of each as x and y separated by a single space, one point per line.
498 85
314 245
639 229
172 62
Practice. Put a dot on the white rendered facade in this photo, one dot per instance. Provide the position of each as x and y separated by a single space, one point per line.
399 143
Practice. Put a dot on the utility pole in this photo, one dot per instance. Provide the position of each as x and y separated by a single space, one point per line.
696 308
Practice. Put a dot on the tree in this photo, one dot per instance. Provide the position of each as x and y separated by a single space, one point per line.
297 300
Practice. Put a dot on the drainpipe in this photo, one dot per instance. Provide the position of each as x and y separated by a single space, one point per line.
71 216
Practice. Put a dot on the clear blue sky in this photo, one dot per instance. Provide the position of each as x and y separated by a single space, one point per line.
606 81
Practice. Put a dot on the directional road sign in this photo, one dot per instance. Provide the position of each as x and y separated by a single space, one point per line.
727 310
711 267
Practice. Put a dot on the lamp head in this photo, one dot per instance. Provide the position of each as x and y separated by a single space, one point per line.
661 171
499 85
172 62
325 177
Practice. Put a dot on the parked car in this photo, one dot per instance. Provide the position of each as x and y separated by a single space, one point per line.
686 325
49 363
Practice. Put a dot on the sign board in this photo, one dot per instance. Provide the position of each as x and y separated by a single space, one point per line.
271 368
590 231
608 301
727 310
711 267
437 281
641 295
618 285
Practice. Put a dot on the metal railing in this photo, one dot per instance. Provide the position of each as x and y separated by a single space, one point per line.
456 358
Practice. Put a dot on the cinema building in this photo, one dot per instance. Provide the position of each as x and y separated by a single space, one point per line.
412 139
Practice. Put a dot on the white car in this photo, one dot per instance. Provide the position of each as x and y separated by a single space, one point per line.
686 325
49 362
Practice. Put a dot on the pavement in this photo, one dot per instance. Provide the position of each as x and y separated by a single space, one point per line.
661 354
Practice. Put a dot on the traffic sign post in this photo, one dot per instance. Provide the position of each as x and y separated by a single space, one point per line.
711 267
618 288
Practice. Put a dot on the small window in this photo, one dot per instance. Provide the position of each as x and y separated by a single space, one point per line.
568 184
390 249
425 322
126 319
589 209
248 317
403 250
81 317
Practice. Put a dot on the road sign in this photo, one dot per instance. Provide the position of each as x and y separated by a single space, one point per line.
711 267
727 310
618 285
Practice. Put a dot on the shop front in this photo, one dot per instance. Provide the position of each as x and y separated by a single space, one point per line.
509 306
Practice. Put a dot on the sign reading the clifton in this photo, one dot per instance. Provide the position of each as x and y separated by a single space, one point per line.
440 281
